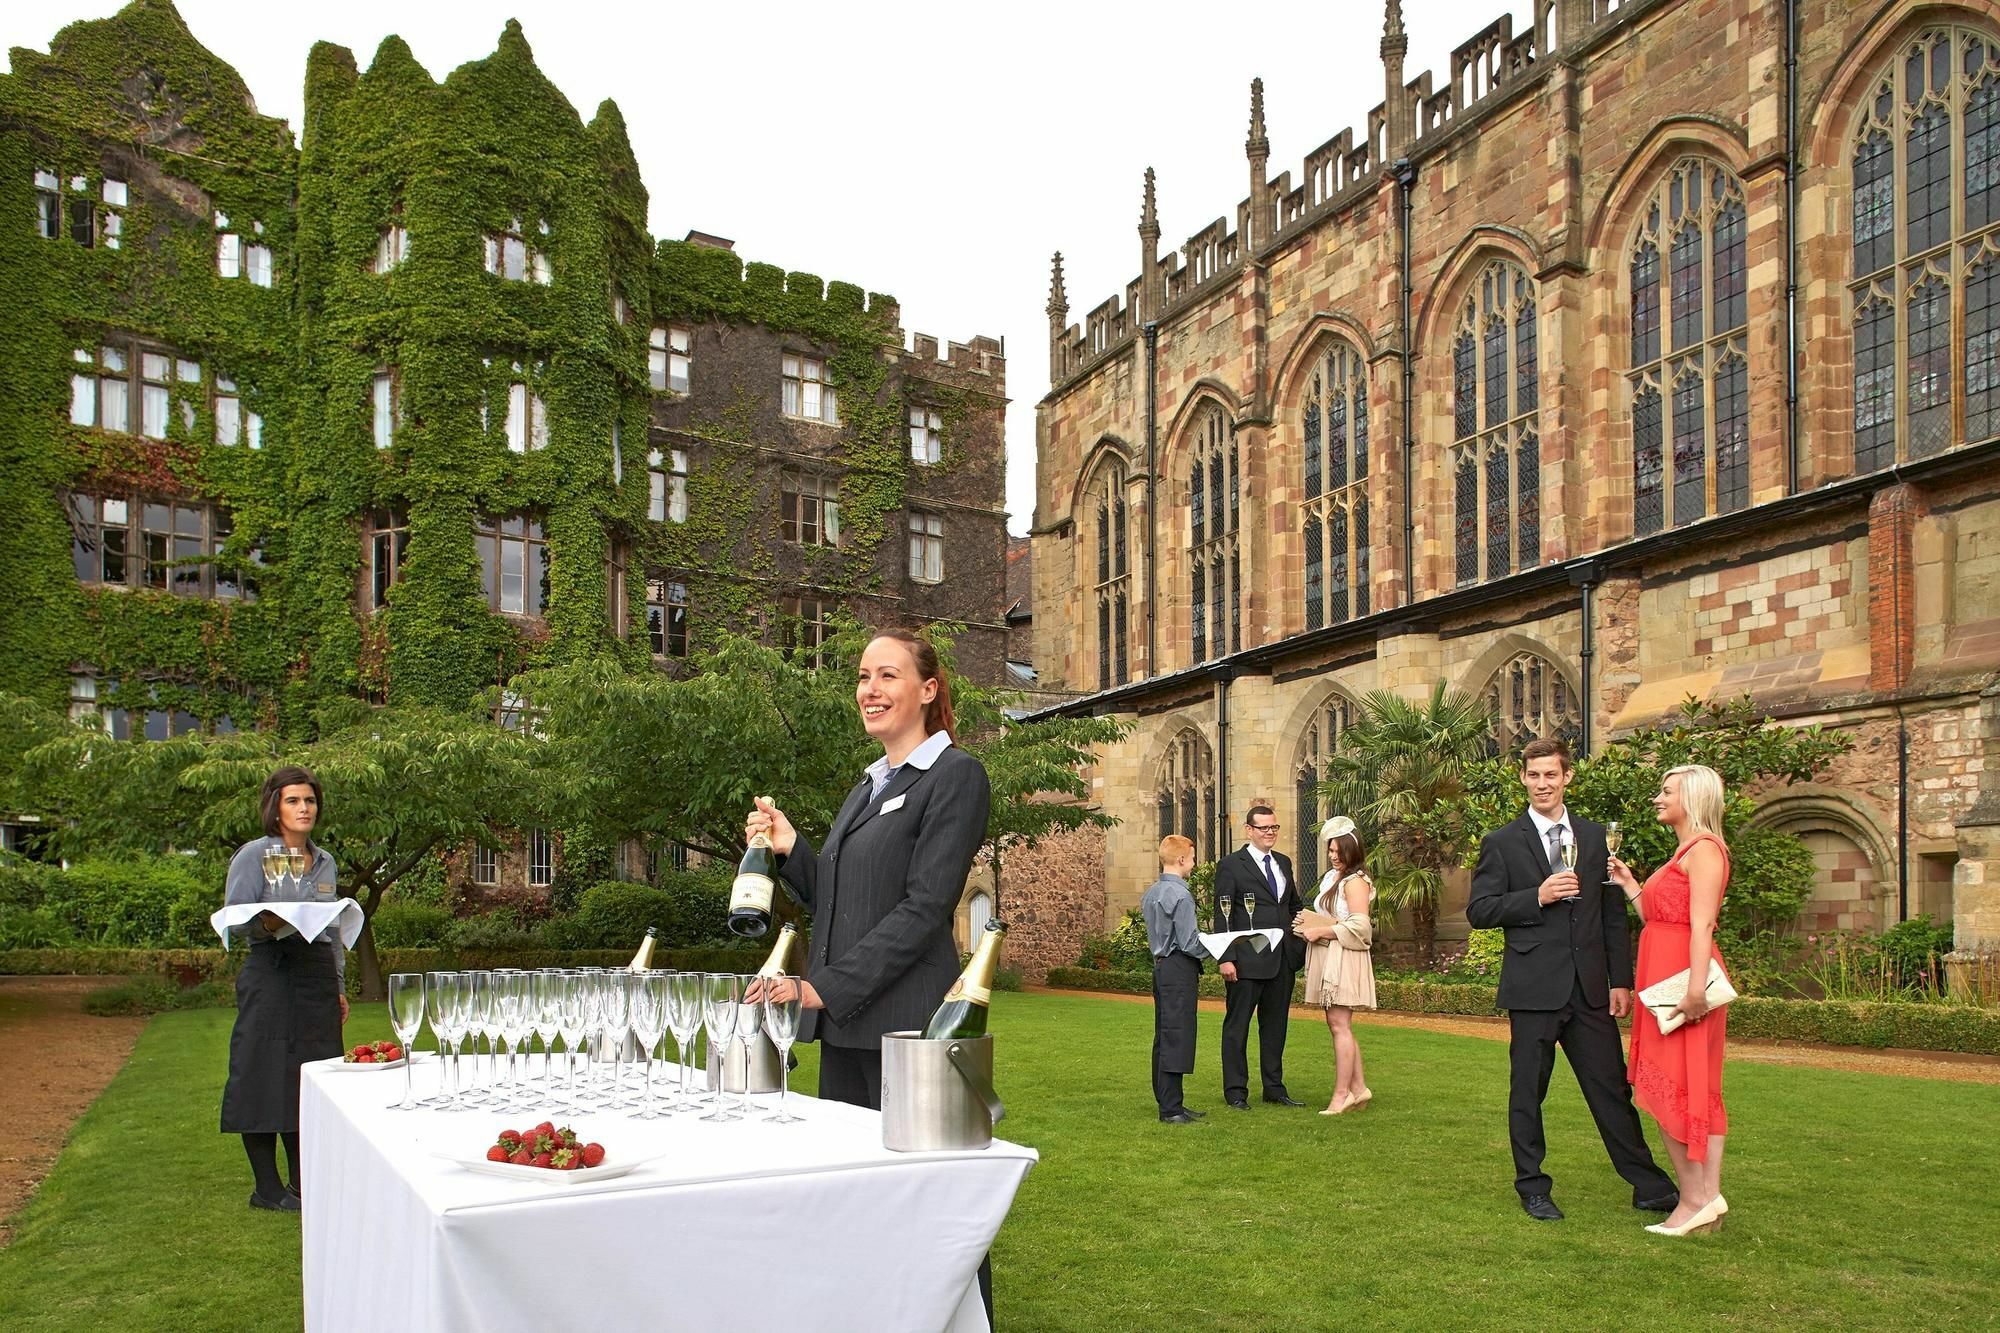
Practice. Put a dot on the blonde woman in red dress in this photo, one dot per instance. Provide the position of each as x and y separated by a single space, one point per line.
1677 1076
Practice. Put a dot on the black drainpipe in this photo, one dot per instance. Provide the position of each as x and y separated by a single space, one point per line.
1222 807
1152 498
1406 178
1791 247
1585 579
1902 816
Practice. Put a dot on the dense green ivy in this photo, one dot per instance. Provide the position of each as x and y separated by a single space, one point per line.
452 162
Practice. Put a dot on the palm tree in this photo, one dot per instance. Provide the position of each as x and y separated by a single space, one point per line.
1399 775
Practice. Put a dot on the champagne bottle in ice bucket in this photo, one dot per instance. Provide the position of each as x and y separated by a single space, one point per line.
963 1013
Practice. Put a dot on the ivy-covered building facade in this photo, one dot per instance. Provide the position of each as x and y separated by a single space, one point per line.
417 402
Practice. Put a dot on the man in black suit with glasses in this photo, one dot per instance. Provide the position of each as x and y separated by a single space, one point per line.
1254 890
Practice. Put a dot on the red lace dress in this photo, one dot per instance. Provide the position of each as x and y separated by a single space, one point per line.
1677 1076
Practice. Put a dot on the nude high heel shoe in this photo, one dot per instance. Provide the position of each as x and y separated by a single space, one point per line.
1707 1218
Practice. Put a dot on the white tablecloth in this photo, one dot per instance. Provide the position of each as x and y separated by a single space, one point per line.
743 1225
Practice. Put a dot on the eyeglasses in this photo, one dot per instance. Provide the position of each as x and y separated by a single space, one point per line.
1265 828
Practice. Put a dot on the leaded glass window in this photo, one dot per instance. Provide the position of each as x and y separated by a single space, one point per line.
1107 499
1926 222
1336 546
1215 568
1531 698
1690 403
1185 790
1495 456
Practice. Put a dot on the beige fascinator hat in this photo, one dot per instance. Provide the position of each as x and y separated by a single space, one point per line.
1333 828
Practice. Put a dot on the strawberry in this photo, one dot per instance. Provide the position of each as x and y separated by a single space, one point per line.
546 1127
521 1157
365 1058
514 1134
497 1153
542 1159
393 1054
566 1136
563 1159
593 1154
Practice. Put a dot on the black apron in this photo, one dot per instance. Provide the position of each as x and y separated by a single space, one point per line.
287 1012
1176 985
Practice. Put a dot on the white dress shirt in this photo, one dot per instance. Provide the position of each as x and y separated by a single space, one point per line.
1263 858
1542 827
922 757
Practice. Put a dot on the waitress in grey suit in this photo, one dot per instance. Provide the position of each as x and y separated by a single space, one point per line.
290 1003
884 889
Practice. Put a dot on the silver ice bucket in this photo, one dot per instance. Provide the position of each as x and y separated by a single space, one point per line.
937 1093
727 1066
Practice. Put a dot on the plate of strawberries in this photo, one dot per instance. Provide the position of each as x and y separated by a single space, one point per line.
544 1153
371 1055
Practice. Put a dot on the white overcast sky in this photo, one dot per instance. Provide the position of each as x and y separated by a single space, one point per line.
937 152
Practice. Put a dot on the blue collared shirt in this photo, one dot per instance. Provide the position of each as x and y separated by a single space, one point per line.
923 757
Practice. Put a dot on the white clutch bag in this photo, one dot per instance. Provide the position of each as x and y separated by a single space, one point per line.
1662 996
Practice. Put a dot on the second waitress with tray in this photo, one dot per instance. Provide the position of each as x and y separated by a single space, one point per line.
885 888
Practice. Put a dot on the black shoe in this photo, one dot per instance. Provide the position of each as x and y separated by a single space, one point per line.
1541 1207
1666 1203
1199 1115
284 1203
1181 1117
1238 1104
1282 1099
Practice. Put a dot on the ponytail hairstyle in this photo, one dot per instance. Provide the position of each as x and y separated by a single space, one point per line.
937 713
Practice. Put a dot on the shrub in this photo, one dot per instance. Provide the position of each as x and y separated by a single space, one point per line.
687 908
411 925
1914 950
500 930
156 995
140 902
39 927
27 884
1124 950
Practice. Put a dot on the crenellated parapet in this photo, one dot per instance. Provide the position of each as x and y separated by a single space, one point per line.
1416 117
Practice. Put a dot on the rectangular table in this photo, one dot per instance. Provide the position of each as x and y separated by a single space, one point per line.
743 1225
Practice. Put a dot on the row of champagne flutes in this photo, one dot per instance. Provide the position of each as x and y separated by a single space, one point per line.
594 1011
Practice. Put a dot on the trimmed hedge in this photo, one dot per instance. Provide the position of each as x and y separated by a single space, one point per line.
191 966
1914 1027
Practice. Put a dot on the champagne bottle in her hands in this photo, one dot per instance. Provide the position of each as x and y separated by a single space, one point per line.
644 958
750 896
963 1013
778 964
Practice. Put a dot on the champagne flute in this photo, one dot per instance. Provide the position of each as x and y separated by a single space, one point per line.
781 1020
489 1023
296 857
544 989
749 1030
617 1019
1568 856
649 1016
1614 838
273 861
721 993
684 1018
514 998
437 991
406 1015
478 998
571 1011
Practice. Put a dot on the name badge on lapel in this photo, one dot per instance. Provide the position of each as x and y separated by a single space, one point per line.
894 803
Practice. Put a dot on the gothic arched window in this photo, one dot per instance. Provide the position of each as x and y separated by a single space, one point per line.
1531 698
1107 494
1334 424
1496 457
1926 204
1215 588
1690 381
1330 721
1185 797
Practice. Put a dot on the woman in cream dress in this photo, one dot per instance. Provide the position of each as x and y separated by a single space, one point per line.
1340 974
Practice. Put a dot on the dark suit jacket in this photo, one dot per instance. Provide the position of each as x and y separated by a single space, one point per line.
1239 879
1551 949
883 893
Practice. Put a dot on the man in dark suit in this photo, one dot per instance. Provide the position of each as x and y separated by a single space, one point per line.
1566 977
1254 890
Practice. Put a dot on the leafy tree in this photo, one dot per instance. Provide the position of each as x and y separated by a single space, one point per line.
400 785
1400 775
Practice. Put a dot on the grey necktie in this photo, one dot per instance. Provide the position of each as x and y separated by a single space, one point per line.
1555 846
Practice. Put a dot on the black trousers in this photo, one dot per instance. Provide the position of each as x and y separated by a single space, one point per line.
1176 982
1589 1037
1271 1001
853 1075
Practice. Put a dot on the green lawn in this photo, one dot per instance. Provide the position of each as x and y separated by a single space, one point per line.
1858 1201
